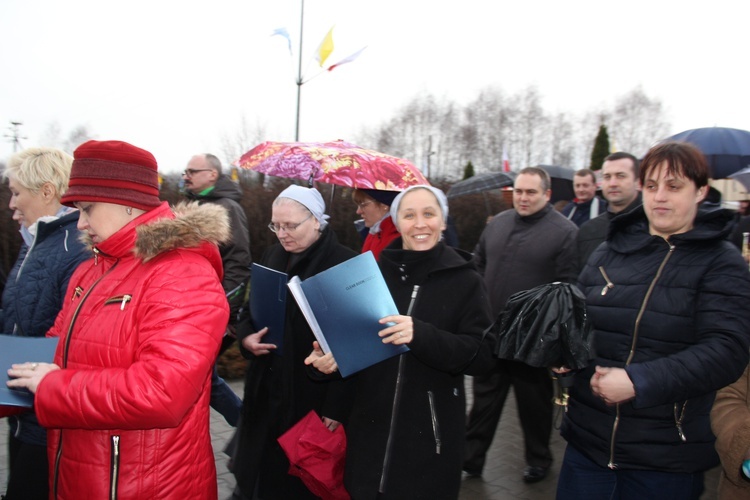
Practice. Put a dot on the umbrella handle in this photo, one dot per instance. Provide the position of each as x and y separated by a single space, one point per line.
565 379
310 179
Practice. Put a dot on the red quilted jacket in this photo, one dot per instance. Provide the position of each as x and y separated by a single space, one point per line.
140 331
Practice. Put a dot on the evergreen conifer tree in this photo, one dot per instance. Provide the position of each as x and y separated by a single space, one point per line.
601 148
468 171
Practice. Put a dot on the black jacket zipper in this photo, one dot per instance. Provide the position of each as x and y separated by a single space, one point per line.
396 401
612 465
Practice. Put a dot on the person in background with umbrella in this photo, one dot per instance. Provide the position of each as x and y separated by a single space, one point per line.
374 206
51 251
667 295
405 435
278 389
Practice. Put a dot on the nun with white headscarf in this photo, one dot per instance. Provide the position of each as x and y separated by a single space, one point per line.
405 435
278 389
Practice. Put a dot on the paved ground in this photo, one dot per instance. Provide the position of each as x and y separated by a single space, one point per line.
502 476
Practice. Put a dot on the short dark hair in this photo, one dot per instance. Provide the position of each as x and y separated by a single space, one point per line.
622 155
682 159
584 172
546 182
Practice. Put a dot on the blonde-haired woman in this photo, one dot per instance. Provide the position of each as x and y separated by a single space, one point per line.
33 294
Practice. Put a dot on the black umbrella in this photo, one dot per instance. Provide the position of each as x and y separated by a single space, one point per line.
546 326
562 182
726 149
481 184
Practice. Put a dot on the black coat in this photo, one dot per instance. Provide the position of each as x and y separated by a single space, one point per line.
682 307
592 233
235 254
278 389
517 253
450 313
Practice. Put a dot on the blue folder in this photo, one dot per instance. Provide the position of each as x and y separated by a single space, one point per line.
15 350
343 305
268 303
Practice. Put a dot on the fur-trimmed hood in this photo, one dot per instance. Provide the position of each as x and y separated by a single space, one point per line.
192 225
187 225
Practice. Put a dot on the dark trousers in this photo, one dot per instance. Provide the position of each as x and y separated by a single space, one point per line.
533 390
582 478
224 400
29 471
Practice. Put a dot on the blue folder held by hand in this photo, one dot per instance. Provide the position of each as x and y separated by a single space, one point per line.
343 305
268 303
16 350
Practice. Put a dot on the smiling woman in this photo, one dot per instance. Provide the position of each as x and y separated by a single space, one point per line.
406 440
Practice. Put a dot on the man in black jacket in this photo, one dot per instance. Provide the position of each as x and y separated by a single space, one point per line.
205 183
518 250
621 188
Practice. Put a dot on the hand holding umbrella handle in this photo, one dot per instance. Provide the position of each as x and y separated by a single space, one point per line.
563 377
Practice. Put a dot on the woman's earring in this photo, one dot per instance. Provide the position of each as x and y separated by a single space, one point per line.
129 211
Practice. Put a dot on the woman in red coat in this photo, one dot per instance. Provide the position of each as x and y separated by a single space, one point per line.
374 206
126 399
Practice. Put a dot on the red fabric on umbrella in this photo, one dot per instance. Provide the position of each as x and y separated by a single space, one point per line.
337 162
316 455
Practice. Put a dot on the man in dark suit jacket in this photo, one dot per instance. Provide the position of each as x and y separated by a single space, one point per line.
520 249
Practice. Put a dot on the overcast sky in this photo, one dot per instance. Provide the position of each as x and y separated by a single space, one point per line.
174 76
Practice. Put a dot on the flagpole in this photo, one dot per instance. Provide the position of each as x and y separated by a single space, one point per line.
299 68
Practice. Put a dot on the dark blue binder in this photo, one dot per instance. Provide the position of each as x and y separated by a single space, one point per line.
268 303
343 305
15 350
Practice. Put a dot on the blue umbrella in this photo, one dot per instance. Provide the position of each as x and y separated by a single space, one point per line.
726 149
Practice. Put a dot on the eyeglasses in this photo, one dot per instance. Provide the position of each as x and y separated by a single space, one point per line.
286 227
364 204
192 171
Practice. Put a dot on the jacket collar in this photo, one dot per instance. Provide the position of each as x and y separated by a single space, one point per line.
535 217
223 188
163 229
637 201
628 231
441 256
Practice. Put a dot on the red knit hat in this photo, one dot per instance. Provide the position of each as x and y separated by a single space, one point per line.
113 172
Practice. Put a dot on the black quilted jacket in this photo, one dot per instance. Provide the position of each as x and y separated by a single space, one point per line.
682 308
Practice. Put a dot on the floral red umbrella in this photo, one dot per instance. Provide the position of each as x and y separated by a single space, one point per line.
337 162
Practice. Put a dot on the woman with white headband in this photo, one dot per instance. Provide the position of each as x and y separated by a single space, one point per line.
278 389
405 436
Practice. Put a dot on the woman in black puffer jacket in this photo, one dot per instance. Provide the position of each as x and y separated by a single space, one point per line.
668 298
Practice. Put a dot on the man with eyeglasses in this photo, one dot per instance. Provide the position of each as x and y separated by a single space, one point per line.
204 182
